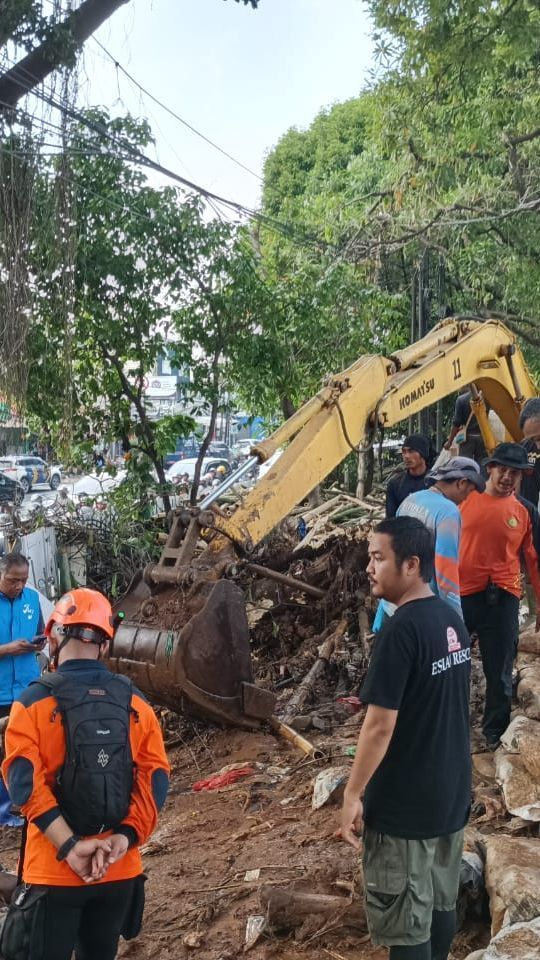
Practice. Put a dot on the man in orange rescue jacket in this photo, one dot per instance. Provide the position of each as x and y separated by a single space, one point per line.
86 763
496 532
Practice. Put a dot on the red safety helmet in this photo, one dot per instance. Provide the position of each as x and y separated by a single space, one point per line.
85 614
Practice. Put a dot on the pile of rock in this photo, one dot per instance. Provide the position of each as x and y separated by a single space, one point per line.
512 864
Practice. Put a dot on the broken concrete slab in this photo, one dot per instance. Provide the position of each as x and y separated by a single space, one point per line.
512 880
520 941
521 792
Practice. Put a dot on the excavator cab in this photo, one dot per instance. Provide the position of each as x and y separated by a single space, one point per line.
185 641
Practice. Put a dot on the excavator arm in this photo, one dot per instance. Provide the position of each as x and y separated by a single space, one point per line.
205 665
380 391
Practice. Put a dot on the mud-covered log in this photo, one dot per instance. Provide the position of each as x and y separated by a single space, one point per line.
512 879
287 908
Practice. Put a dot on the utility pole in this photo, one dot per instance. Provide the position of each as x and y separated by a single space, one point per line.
32 70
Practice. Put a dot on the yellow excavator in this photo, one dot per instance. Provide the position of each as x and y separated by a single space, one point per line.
186 643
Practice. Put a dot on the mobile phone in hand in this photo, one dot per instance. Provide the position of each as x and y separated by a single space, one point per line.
39 641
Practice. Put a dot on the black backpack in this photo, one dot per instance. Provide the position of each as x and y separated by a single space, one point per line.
93 787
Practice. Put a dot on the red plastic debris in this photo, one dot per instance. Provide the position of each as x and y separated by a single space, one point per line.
353 703
222 779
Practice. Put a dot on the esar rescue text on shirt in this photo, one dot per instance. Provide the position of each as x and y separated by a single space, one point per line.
452 660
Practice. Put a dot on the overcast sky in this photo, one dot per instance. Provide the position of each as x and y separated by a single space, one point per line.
240 76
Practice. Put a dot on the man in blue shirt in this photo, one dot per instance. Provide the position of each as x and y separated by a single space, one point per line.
20 622
437 508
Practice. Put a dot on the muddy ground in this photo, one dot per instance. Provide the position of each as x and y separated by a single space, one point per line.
199 891
198 897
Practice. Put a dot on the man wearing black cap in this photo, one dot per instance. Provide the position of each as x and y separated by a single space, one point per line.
496 531
529 421
415 455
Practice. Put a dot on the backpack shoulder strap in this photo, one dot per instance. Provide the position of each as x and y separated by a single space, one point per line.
52 681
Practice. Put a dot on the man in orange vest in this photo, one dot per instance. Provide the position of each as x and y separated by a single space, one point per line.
496 532
85 761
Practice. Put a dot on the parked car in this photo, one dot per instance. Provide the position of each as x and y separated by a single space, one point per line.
219 449
189 450
31 472
11 490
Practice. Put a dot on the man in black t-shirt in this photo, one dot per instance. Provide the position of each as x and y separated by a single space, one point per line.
529 421
411 778
415 455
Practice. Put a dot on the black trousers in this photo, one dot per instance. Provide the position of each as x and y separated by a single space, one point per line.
86 919
498 631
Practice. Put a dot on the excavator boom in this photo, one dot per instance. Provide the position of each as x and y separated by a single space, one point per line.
180 667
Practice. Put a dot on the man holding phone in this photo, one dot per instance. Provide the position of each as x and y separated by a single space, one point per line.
20 623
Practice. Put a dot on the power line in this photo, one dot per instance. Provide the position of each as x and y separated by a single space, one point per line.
176 116
136 155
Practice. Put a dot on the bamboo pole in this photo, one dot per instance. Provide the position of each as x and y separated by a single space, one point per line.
289 734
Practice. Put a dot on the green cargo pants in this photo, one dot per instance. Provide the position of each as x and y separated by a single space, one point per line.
405 880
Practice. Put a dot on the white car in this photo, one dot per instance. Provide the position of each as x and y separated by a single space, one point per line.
188 466
94 484
31 472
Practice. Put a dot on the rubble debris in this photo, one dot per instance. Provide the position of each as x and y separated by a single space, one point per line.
512 879
520 941
303 691
471 886
255 927
224 777
329 785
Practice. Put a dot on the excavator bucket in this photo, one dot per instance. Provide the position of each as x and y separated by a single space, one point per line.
204 669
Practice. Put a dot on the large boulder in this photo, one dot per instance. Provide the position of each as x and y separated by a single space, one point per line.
521 941
520 791
512 878
528 691
523 736
529 642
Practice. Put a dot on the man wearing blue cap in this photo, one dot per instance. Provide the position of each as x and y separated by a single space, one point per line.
415 455
437 508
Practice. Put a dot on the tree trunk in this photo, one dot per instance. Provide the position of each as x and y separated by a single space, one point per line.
202 453
37 65
366 462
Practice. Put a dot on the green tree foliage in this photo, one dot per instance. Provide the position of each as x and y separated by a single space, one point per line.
458 108
122 273
439 158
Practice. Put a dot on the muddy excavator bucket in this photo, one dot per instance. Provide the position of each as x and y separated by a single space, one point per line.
203 669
